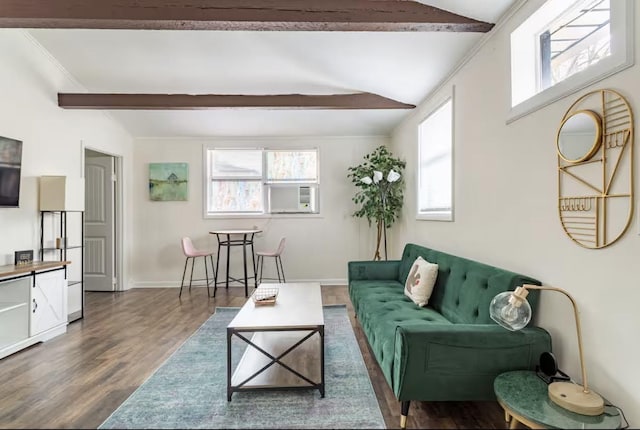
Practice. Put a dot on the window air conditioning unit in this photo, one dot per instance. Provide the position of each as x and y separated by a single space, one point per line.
292 198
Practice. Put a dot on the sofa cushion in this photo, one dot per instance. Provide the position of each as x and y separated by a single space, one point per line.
420 281
381 308
381 290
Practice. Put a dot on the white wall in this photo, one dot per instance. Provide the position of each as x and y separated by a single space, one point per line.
506 215
52 137
317 248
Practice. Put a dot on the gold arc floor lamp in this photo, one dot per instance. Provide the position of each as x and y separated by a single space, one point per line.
512 311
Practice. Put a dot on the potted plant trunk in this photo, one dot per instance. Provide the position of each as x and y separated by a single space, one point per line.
379 196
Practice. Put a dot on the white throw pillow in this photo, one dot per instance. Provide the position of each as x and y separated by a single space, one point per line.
420 281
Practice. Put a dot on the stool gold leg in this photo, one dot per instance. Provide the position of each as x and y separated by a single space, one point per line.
403 421
507 417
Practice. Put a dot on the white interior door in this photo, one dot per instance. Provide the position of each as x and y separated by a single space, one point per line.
99 176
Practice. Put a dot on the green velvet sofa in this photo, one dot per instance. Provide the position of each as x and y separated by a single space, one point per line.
450 349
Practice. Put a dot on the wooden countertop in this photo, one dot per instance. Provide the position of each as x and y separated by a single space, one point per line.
12 270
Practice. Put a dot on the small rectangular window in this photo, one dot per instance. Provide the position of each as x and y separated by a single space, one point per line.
292 166
234 163
235 181
580 38
435 170
564 46
261 181
229 196
292 181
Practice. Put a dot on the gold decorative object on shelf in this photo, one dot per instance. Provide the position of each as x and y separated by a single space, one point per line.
265 295
595 169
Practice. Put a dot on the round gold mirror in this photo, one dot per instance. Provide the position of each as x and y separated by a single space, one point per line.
579 136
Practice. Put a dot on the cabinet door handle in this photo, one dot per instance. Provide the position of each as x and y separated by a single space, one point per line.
35 306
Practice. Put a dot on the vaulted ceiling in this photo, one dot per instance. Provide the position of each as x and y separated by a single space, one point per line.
181 67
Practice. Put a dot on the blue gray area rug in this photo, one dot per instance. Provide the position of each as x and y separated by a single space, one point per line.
190 389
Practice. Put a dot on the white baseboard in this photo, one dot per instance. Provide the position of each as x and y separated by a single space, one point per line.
176 284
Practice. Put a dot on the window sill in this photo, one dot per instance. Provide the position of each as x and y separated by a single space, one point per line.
435 216
565 88
266 216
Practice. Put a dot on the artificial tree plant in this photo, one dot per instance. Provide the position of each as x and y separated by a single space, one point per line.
380 185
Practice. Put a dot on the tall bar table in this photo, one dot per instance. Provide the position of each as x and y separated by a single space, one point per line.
228 239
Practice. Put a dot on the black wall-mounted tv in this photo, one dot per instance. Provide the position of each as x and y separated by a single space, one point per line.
10 166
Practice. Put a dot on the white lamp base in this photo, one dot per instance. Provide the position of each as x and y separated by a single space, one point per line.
572 397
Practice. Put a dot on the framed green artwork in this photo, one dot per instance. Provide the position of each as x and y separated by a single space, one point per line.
168 181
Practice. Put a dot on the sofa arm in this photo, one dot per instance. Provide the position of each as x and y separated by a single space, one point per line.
373 270
460 361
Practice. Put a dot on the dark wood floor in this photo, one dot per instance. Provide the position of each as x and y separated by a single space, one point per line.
78 379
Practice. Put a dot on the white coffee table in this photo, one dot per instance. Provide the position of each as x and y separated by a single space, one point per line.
285 342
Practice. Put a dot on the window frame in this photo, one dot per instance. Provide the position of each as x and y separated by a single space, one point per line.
437 215
265 183
271 184
233 178
622 57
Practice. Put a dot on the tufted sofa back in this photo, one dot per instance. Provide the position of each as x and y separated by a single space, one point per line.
464 288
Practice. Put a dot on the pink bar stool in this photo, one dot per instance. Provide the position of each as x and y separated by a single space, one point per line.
278 260
191 252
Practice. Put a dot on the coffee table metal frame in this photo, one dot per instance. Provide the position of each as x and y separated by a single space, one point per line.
269 330
274 359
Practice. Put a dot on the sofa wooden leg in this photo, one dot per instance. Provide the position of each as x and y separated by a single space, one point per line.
404 412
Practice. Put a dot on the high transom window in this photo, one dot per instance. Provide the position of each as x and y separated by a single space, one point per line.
580 38
565 46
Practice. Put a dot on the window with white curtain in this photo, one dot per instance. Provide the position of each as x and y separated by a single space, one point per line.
435 169
261 181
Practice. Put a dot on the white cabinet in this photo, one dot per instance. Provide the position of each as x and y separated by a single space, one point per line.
48 301
14 311
33 304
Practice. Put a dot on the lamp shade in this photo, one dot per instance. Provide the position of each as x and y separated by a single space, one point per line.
509 311
61 193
